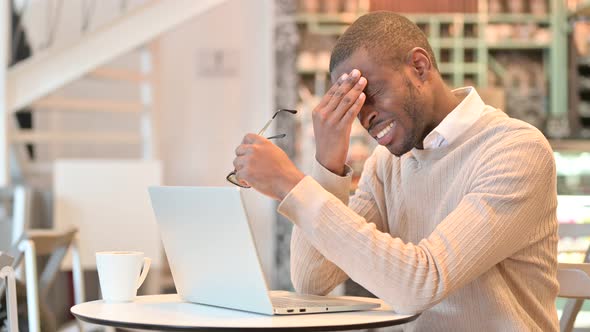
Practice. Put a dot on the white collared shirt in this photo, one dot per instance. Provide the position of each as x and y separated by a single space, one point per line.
459 120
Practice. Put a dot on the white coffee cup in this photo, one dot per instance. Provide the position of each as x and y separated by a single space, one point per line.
121 273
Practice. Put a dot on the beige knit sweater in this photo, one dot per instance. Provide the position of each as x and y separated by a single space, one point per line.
466 234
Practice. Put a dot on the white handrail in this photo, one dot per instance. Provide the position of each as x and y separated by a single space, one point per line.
34 78
28 247
4 51
7 273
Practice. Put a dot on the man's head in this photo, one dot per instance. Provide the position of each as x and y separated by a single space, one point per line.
387 35
394 56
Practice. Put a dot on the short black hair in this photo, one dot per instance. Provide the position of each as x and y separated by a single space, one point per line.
387 36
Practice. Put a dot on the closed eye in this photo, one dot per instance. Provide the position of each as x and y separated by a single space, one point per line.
371 94
374 87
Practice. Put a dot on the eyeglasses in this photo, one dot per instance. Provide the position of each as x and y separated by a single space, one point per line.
231 177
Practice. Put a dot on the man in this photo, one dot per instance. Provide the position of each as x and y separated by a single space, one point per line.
454 215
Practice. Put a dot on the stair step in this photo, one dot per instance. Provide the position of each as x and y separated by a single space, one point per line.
39 168
48 71
30 136
116 74
87 105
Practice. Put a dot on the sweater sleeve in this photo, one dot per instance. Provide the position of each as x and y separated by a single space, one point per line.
311 272
485 228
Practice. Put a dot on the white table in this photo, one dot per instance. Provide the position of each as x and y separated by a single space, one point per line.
171 313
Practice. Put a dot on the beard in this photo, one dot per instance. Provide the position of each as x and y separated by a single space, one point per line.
411 107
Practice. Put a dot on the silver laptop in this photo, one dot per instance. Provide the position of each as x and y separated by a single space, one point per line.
213 257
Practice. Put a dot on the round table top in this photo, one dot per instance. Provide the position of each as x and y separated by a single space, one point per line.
170 312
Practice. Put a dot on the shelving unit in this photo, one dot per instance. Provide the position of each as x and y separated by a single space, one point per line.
513 45
583 9
558 59
467 56
518 18
579 69
451 49
570 145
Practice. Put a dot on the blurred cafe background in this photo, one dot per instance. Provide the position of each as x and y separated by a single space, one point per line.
101 99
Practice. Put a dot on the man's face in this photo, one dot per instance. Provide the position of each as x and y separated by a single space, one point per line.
394 111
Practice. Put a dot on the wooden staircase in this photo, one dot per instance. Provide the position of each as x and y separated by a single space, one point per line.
36 81
88 139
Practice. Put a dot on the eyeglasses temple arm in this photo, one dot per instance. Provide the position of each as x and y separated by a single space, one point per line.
277 136
274 116
264 128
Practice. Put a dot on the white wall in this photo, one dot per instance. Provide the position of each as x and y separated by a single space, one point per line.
61 22
204 117
4 49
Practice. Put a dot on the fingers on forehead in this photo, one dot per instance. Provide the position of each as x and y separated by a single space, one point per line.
336 88
330 93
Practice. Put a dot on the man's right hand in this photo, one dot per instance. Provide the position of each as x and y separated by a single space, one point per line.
333 118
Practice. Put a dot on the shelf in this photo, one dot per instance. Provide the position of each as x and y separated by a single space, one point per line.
451 42
570 145
572 251
574 230
582 10
518 18
343 18
445 68
518 45
443 18
467 68
470 44
326 24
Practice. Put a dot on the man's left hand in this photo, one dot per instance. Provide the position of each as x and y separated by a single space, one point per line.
265 167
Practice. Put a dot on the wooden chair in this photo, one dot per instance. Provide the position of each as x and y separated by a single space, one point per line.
8 284
53 244
574 284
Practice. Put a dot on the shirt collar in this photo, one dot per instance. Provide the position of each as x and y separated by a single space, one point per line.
459 120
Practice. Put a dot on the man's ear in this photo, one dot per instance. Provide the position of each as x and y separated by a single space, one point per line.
419 61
